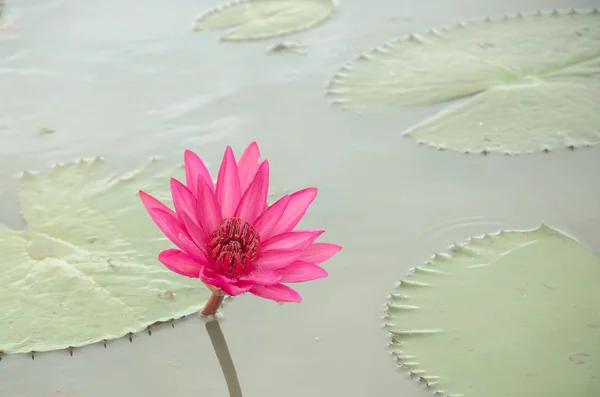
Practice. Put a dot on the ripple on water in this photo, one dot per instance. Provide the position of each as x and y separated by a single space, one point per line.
461 228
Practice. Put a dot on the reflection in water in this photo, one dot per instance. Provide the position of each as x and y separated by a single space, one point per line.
220 345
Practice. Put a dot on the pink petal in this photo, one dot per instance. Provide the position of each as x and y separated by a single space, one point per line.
277 292
233 290
208 208
197 234
184 201
168 223
276 259
248 165
228 185
296 240
150 203
254 201
190 248
194 167
264 167
300 271
295 210
267 220
320 252
210 277
263 277
174 231
180 263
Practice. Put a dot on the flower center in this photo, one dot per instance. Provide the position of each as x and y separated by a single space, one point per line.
234 246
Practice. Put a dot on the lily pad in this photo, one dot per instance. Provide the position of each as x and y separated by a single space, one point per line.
261 19
512 314
86 270
526 83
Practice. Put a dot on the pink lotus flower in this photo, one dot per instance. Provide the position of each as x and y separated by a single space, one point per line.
229 238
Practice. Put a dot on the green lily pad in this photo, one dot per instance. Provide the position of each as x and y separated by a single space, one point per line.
86 268
527 83
512 314
261 19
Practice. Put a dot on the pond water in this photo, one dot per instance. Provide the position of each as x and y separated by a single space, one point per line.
129 80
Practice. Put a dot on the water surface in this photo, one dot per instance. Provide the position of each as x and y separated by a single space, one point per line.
128 80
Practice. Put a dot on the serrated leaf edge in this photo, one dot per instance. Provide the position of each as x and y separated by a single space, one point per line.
332 90
410 363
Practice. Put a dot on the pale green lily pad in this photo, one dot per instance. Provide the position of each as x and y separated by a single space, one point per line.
513 314
261 19
531 82
86 270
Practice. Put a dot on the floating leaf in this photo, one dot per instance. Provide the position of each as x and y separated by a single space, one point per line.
513 314
260 19
86 269
532 82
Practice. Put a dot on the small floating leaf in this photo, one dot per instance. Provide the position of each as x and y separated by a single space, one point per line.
260 19
86 270
526 83
512 316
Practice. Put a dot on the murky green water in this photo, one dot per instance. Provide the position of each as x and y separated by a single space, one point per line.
129 80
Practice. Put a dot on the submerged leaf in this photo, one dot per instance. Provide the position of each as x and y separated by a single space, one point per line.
260 19
517 313
531 82
86 269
